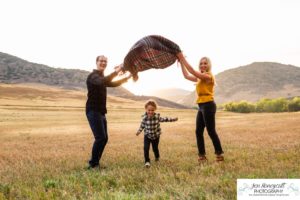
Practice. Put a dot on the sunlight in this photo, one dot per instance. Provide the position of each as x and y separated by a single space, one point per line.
158 79
135 88
142 87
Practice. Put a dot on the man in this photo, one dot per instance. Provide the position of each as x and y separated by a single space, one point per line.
96 106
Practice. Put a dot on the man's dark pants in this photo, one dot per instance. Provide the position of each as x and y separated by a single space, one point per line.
98 124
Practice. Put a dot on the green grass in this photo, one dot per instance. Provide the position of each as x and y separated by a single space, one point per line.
43 155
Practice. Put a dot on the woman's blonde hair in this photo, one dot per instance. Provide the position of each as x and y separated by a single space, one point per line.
208 67
208 63
151 103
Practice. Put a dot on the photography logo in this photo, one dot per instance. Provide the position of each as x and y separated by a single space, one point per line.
268 189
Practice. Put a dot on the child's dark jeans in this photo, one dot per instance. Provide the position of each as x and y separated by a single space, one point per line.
154 143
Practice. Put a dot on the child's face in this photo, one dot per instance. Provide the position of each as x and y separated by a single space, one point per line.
150 110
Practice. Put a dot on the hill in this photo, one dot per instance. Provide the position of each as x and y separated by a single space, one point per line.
159 101
171 94
255 81
39 95
258 80
16 70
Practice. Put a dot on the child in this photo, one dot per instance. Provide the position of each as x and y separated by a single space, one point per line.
151 125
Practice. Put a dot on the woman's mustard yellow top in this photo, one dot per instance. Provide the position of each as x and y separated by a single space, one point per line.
205 90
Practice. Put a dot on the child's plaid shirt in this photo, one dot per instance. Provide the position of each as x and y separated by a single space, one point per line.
151 126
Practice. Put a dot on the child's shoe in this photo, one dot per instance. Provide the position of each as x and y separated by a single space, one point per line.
90 167
219 158
147 164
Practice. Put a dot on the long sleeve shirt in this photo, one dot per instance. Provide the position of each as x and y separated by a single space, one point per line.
96 84
151 125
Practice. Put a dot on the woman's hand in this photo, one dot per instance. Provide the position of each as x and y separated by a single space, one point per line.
180 56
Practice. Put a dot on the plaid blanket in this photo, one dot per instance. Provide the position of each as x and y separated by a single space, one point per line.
152 51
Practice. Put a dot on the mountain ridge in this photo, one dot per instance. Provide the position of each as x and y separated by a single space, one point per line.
251 83
258 80
17 70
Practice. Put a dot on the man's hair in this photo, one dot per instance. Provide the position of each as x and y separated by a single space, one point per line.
101 56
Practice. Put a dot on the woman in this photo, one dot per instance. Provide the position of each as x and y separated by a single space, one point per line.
96 106
207 107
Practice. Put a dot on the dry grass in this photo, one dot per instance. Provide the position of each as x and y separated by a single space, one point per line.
44 148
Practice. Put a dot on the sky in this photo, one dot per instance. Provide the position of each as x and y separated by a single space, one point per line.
71 33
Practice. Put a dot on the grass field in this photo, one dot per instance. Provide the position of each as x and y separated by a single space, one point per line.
45 143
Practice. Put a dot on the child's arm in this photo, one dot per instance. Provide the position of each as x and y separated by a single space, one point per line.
142 126
168 119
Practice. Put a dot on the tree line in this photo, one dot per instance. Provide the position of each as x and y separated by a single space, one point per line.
264 105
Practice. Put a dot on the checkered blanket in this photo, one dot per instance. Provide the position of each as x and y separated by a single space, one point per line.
151 126
152 51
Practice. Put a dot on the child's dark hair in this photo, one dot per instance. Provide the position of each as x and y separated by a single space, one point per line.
151 103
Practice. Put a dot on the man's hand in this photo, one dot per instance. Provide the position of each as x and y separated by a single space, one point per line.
118 68
129 76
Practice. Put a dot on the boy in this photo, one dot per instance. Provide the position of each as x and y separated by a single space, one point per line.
151 126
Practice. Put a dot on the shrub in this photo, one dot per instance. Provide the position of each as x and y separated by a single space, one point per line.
242 107
265 105
294 105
